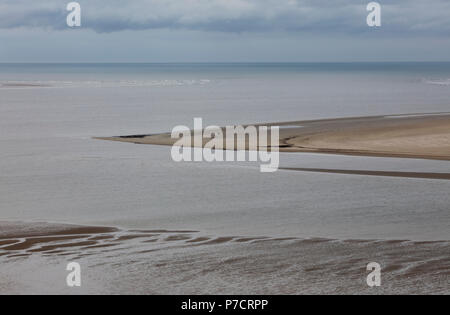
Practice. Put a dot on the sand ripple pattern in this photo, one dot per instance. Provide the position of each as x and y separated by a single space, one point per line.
188 262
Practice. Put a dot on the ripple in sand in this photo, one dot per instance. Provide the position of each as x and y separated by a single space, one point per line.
329 264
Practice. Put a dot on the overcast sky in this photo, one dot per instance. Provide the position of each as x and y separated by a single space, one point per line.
224 31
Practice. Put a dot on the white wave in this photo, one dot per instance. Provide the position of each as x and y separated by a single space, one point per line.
444 82
103 83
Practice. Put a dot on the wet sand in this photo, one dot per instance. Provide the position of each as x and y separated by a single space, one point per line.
423 136
441 176
116 261
10 230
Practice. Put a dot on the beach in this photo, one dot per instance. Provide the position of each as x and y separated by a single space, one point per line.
414 136
412 267
362 179
425 136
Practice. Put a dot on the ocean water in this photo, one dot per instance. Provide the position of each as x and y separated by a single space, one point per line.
52 170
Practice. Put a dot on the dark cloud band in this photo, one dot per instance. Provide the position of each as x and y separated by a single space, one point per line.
329 16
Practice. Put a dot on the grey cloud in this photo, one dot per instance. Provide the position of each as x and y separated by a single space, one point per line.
329 16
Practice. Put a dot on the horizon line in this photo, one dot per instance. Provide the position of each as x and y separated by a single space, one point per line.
218 62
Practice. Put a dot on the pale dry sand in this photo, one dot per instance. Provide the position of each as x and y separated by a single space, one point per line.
424 136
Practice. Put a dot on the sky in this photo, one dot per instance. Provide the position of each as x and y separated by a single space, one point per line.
224 31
